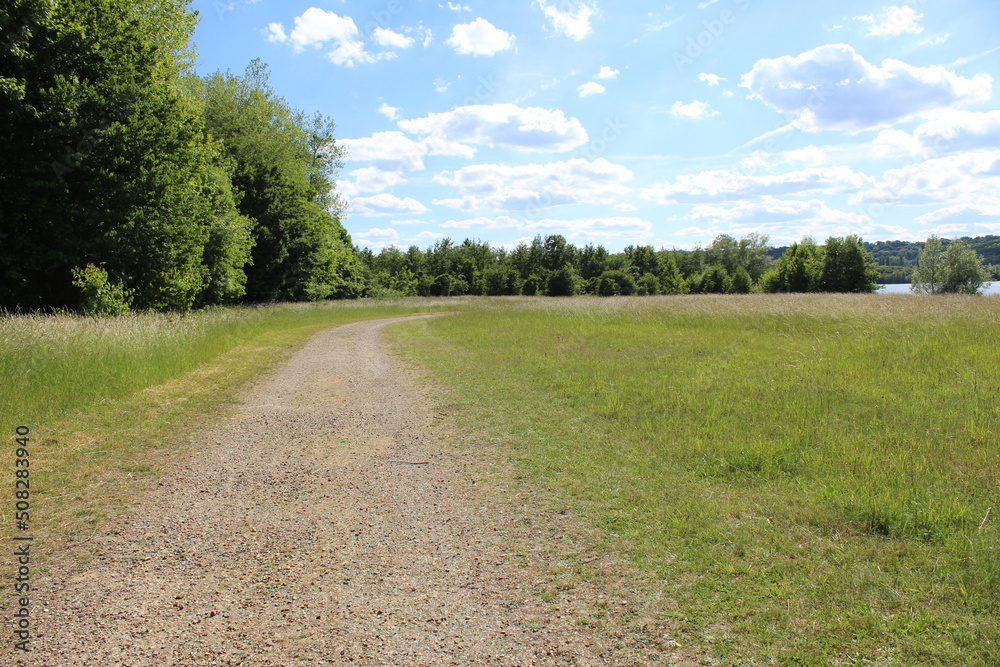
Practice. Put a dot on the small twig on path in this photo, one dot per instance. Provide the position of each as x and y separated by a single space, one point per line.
411 463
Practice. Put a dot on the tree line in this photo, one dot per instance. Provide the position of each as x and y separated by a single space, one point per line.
131 182
551 266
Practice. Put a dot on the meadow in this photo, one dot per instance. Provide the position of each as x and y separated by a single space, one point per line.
805 479
110 401
809 480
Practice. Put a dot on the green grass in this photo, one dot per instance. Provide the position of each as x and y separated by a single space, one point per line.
806 477
111 401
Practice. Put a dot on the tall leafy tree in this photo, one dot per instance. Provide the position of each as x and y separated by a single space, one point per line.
847 266
104 160
284 166
930 274
964 271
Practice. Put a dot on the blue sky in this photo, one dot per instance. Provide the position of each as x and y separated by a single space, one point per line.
639 122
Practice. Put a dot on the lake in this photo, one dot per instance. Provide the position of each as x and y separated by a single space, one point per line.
991 288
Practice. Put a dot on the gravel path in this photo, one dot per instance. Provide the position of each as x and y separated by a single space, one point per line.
327 523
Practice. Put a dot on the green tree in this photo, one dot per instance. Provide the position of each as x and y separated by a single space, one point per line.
931 271
964 271
616 282
284 168
847 266
564 282
104 160
797 270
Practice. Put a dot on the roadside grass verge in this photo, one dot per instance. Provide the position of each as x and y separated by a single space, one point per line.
812 480
111 401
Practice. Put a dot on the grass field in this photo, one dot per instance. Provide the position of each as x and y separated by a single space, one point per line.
109 401
812 480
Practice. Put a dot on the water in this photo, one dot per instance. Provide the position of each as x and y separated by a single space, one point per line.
988 288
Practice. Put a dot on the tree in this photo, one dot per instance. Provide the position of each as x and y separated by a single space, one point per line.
931 271
564 282
798 269
104 160
616 282
964 271
284 168
847 266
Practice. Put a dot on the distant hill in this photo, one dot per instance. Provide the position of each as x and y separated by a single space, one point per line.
897 259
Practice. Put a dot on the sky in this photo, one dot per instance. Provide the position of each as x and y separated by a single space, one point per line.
639 123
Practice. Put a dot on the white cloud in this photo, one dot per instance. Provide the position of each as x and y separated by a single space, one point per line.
711 79
896 144
350 54
621 228
389 112
591 88
572 22
479 38
505 125
389 151
386 37
317 28
810 155
626 207
276 33
954 179
727 185
895 21
981 214
458 8
385 204
607 73
955 130
833 88
777 214
535 186
369 180
694 110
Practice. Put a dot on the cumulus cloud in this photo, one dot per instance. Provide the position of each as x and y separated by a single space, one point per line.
953 179
389 112
833 88
624 228
711 79
388 151
479 38
385 204
695 110
535 186
956 130
985 215
780 218
607 72
727 185
386 37
591 88
504 125
894 21
574 22
368 180
317 28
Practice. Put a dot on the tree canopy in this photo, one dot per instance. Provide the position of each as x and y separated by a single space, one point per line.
181 191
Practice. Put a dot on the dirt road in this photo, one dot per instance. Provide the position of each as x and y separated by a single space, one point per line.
328 523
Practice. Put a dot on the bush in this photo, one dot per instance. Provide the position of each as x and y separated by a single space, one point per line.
101 297
616 283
